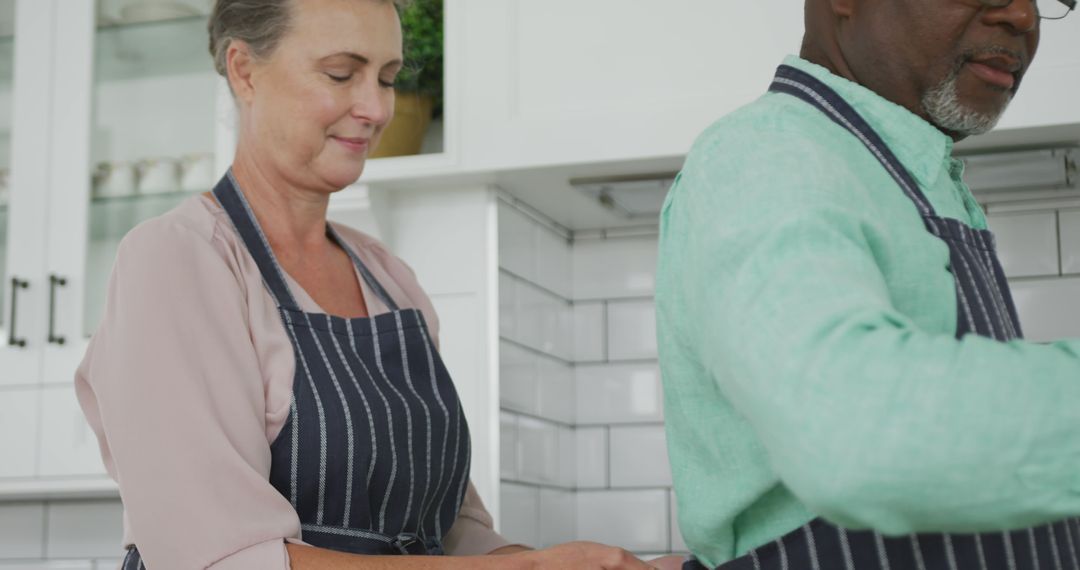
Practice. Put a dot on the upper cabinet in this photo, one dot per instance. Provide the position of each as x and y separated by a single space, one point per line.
564 81
549 82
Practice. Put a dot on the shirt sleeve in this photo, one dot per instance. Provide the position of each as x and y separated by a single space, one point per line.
869 420
173 389
473 533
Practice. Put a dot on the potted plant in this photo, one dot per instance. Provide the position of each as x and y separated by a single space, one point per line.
419 86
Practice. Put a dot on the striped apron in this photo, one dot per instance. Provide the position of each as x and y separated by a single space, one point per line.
985 308
375 453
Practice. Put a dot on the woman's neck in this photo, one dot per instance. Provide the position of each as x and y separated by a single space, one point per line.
293 218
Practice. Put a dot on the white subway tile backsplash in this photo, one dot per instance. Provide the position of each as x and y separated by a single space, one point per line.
553 262
22 527
544 321
517 243
588 332
614 268
564 342
508 446
539 451
557 517
567 457
1049 309
518 389
85 529
678 544
1026 243
639 457
508 306
520 513
634 520
556 383
19 431
592 457
533 305
618 393
1070 241
571 394
631 329
555 321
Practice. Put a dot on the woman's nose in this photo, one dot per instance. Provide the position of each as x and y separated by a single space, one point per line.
373 103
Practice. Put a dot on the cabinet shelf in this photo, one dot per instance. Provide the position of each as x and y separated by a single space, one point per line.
149 49
112 217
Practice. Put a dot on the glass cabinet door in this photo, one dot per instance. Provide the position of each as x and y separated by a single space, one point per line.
7 83
24 171
153 122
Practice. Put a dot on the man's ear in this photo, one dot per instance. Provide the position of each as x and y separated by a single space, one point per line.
239 65
843 8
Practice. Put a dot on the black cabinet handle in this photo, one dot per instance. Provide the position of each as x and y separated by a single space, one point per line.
54 282
13 338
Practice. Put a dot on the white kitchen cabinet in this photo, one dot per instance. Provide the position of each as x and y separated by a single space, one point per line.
89 88
23 209
68 445
19 408
564 81
569 82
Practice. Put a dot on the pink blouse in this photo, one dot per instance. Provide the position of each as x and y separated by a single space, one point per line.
188 380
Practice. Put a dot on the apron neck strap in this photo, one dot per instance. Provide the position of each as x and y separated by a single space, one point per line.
232 200
800 84
227 192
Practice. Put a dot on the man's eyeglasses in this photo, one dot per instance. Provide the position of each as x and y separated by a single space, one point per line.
1048 9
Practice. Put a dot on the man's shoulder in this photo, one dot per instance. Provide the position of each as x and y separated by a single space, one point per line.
774 154
772 124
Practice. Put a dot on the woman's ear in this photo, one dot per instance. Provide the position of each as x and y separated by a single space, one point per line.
240 65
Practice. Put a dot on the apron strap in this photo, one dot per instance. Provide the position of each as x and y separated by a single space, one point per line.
236 206
808 88
234 203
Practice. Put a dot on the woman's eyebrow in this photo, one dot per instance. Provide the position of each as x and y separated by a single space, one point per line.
360 58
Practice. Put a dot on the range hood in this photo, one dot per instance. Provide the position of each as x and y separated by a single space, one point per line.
1044 169
635 196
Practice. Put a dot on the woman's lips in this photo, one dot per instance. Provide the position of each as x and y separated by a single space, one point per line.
997 74
353 144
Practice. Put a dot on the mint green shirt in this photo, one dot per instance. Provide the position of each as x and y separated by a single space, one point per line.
807 323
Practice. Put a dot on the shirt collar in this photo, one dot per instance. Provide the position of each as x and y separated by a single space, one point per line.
920 146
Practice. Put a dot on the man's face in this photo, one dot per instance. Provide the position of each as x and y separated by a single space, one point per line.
956 63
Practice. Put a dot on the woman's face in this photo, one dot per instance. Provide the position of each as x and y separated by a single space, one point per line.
319 103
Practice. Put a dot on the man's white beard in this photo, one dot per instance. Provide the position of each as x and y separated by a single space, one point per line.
942 105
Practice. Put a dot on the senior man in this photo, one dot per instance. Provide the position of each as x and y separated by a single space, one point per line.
845 378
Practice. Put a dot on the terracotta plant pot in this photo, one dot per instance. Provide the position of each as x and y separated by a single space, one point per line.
405 134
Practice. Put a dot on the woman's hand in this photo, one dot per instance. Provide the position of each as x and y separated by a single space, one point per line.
583 555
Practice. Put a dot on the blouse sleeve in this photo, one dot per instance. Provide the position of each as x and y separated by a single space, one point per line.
473 532
173 389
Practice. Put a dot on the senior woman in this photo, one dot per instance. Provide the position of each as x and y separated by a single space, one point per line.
265 385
